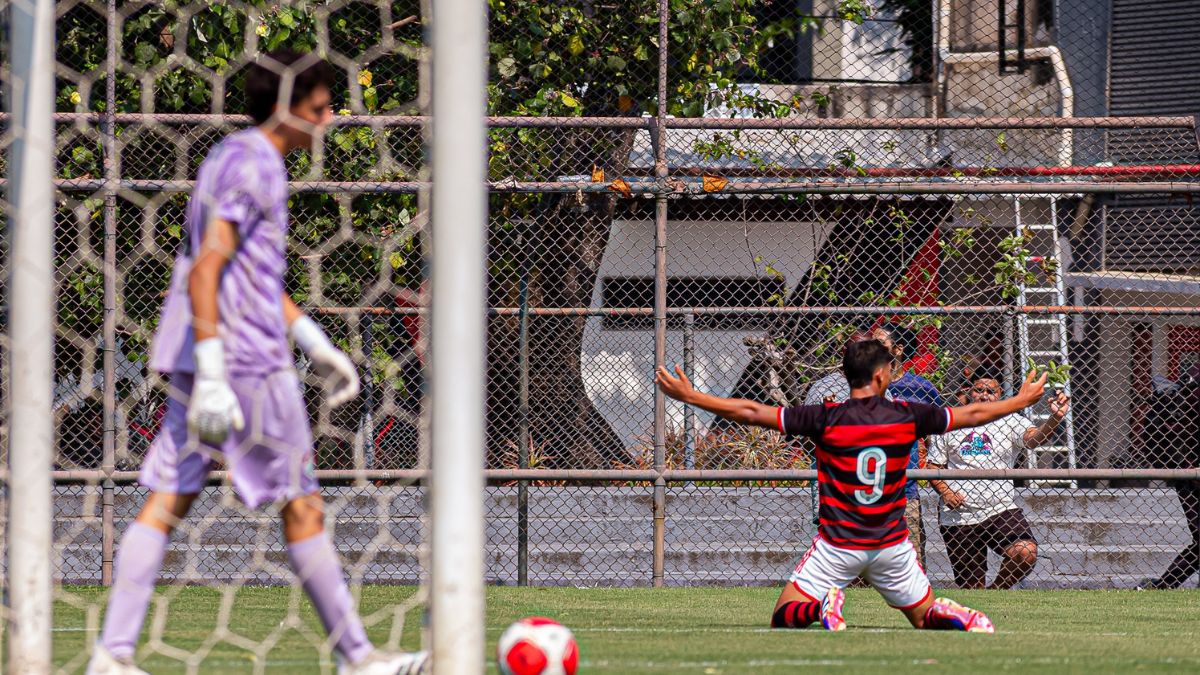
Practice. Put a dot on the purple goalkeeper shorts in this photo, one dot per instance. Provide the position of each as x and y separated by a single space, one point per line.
269 460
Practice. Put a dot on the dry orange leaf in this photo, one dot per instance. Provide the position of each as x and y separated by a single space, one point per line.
597 174
621 186
676 185
714 183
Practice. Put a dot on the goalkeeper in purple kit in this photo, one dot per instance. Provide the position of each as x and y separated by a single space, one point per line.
234 393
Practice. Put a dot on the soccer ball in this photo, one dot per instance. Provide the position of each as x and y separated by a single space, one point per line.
536 645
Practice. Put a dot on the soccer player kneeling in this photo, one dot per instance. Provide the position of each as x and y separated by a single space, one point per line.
862 454
234 393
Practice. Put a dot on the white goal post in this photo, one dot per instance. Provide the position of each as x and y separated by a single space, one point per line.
458 325
31 329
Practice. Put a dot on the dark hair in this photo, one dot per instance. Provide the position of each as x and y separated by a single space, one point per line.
984 375
904 337
859 335
265 77
862 359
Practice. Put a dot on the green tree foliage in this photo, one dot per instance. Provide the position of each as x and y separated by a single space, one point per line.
546 58
584 58
566 58
570 58
177 60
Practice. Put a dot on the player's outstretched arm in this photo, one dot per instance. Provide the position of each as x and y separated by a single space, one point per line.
977 414
740 410
1035 436
330 363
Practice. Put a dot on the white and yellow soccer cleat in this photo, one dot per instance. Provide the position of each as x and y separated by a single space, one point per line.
388 663
104 663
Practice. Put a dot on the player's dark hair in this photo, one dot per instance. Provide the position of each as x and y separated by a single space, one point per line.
862 359
265 77
904 337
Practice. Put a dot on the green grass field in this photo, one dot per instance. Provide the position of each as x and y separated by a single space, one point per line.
705 630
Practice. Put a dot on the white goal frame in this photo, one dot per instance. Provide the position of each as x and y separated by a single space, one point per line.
457 326
458 369
31 333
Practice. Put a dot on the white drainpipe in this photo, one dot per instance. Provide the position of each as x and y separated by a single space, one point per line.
1066 93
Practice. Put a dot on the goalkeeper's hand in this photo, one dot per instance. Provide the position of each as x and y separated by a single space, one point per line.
213 407
330 363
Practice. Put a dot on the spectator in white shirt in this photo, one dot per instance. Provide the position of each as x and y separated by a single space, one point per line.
978 515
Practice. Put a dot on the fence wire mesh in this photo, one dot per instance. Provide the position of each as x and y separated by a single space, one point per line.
995 190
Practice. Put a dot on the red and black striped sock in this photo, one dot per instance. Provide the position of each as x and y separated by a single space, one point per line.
796 614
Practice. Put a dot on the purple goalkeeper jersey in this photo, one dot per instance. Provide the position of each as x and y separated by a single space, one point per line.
243 181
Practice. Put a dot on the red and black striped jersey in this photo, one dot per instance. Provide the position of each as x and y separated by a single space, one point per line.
862 454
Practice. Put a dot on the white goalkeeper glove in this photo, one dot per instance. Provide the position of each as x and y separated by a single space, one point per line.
329 362
213 407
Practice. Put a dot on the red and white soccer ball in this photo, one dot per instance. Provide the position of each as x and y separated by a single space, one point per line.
536 645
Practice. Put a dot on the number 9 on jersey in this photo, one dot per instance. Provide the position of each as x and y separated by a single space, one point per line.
872 474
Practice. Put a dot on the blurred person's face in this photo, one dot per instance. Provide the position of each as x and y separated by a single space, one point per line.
984 390
306 120
894 349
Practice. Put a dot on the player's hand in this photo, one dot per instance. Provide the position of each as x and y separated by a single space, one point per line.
1032 390
1059 405
675 387
332 365
337 371
212 410
953 499
213 407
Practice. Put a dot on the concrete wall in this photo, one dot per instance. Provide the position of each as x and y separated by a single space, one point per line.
873 50
1112 437
1083 35
601 536
974 25
978 90
812 148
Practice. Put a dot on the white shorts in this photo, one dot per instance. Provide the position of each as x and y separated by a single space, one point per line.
893 571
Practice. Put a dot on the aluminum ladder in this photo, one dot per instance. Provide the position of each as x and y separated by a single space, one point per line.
1044 337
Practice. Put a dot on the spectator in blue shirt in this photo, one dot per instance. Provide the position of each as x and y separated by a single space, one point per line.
909 386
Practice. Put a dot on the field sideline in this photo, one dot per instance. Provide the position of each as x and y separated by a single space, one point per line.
710 631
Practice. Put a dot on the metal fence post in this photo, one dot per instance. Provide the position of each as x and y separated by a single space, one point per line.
689 413
523 421
660 298
1010 368
108 462
364 448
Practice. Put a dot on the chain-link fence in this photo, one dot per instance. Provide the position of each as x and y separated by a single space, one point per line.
734 187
